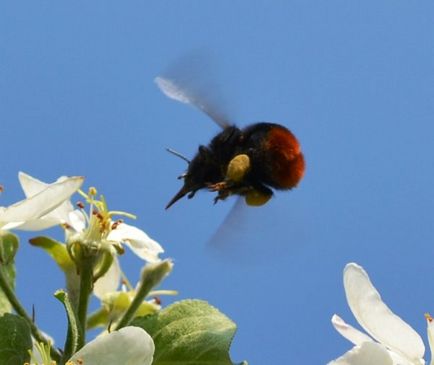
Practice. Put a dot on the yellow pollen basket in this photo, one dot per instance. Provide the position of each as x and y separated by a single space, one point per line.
256 198
238 168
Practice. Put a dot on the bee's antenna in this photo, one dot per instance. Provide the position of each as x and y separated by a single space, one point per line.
173 152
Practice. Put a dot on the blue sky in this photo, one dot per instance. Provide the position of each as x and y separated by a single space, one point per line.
353 80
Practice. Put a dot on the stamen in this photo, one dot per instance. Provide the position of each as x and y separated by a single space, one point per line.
124 214
66 226
116 224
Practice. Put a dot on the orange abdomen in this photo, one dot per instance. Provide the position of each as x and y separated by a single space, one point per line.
285 158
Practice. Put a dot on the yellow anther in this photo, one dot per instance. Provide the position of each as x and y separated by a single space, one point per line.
428 317
65 225
238 168
92 191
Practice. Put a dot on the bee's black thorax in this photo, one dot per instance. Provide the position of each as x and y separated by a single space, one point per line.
210 163
255 136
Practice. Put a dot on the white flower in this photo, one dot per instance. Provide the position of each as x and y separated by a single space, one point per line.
128 346
367 353
391 341
36 212
78 223
99 227
99 231
96 229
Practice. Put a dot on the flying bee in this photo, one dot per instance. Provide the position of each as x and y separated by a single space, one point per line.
249 162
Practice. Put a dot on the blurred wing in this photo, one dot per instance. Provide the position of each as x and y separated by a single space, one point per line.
174 91
233 227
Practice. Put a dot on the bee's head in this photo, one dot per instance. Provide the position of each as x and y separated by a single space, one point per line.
201 171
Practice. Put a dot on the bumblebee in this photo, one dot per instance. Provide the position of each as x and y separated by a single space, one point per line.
249 162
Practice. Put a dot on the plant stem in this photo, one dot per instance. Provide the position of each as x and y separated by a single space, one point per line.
86 286
152 274
16 305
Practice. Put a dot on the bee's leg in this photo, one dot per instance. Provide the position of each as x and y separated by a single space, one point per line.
222 195
220 186
235 173
192 193
223 189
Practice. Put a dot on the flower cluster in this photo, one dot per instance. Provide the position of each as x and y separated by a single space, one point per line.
89 257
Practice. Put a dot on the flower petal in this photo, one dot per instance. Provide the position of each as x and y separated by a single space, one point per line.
33 224
139 242
369 353
76 220
430 330
109 282
349 332
42 203
376 318
32 186
128 346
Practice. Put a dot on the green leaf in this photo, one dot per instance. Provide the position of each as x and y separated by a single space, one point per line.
15 340
8 272
189 332
73 330
56 250
8 247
